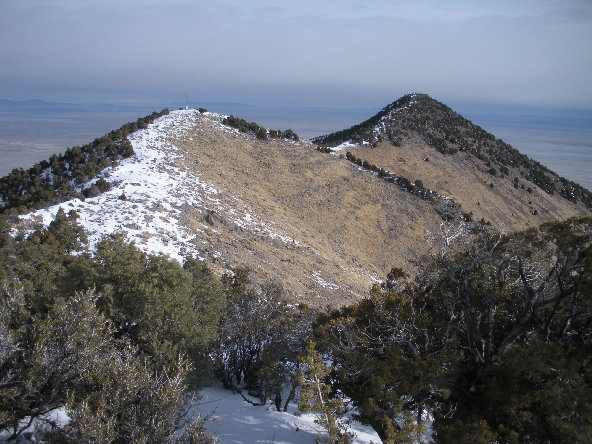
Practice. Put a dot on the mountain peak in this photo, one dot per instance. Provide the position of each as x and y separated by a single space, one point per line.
375 129
419 118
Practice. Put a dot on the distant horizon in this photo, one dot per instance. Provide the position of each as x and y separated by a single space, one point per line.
496 107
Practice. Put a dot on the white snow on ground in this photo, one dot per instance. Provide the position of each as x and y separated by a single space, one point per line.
323 283
42 424
156 193
234 421
344 146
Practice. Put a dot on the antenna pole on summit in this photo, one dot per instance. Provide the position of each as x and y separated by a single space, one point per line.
186 105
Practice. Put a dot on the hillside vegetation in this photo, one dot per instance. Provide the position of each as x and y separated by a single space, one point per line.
258 131
76 173
449 133
485 345
493 343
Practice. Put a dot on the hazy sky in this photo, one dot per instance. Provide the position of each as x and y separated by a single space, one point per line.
315 52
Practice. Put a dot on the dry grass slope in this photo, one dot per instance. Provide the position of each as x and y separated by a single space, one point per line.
419 138
332 229
465 179
325 228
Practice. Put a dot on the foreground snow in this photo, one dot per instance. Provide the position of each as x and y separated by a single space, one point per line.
235 421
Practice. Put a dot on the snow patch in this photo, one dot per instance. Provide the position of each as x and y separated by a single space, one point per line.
41 424
323 283
344 146
147 195
236 421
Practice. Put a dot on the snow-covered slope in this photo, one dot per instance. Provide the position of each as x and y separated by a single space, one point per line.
151 190
234 421
147 195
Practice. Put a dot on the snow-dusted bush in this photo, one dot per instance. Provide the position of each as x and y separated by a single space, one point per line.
70 359
259 340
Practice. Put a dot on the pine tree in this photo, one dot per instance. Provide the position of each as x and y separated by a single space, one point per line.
315 396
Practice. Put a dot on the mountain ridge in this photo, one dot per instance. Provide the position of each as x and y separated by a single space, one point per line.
418 139
324 227
448 132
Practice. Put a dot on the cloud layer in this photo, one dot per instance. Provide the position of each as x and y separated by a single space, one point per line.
334 53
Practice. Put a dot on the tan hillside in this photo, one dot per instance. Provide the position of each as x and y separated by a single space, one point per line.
418 138
463 178
326 228
336 229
